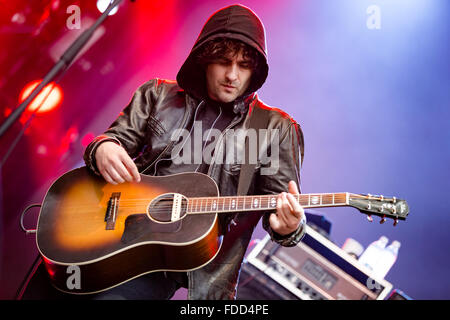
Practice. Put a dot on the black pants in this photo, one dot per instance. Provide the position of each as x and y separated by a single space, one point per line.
152 286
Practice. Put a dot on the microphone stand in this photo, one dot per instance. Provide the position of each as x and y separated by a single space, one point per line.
62 64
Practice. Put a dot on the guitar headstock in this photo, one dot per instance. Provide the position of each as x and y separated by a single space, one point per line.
381 206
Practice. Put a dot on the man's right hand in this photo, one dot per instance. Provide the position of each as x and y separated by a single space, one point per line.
114 164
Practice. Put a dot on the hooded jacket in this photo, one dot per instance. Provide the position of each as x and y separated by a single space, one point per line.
234 22
144 128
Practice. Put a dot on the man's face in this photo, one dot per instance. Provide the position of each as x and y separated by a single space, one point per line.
228 78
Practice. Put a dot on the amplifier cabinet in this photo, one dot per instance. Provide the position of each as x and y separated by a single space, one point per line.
315 269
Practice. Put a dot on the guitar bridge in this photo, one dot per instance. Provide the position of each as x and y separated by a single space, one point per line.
111 211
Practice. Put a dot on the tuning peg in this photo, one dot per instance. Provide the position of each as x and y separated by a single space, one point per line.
369 217
383 220
395 222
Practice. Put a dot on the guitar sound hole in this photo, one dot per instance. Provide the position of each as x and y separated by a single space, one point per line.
168 208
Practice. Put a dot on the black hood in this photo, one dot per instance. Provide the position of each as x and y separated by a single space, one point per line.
234 22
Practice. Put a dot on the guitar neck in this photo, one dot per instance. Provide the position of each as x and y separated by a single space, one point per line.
262 203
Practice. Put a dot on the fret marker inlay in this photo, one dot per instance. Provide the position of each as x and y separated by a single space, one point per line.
315 200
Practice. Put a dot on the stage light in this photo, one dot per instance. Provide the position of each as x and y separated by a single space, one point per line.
88 137
48 99
103 4
42 150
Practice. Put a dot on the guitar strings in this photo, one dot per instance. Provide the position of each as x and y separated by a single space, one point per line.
195 205
165 205
241 203
222 201
237 201
239 198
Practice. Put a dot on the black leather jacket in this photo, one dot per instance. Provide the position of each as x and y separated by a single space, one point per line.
145 128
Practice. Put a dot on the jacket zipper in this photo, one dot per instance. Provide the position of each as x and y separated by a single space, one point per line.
171 143
220 140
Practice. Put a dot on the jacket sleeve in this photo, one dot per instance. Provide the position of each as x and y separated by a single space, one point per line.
129 129
290 156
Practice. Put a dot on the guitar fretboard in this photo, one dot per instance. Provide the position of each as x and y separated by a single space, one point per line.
261 203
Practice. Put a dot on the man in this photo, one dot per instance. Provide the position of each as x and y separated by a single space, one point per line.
215 90
216 87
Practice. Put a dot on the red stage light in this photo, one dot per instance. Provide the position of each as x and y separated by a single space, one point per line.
88 137
102 5
48 99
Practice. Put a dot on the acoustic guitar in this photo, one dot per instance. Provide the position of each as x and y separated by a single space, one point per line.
93 235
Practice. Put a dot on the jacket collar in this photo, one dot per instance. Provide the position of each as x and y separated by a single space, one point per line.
241 105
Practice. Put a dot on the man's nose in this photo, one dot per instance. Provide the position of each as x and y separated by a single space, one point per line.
232 72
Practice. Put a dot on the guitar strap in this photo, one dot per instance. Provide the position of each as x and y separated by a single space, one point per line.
259 119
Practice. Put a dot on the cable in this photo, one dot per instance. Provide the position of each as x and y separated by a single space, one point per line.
26 280
23 214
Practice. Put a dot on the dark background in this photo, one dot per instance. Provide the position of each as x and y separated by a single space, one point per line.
373 105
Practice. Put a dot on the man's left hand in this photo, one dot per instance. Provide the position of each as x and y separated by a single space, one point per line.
289 212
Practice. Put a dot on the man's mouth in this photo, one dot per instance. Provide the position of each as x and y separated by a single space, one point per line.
228 86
